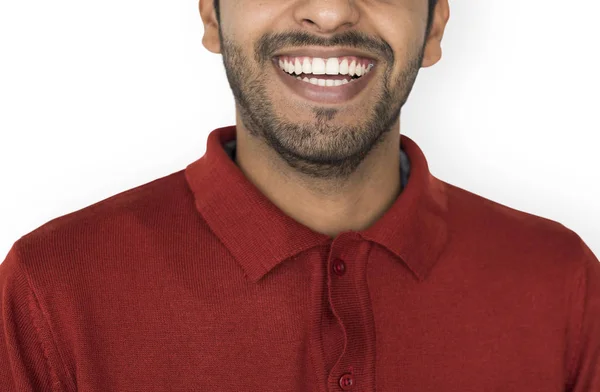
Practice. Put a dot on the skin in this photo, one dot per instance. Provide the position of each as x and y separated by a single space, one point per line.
333 168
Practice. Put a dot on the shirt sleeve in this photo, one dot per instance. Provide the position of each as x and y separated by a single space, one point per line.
24 350
584 375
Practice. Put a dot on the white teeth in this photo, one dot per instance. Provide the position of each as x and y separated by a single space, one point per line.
321 66
333 66
297 67
352 68
324 82
359 70
344 67
306 67
318 66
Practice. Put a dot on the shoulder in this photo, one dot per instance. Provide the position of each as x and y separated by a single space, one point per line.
65 242
486 227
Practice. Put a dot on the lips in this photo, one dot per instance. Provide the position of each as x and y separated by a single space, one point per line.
323 94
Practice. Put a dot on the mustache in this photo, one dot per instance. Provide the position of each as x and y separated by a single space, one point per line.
270 43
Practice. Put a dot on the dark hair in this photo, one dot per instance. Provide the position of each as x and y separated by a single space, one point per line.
432 4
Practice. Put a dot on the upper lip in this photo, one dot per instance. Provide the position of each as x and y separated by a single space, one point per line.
325 53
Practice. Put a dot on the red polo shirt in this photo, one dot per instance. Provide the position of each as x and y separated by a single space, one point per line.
197 282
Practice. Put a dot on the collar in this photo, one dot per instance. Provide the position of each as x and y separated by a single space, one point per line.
260 236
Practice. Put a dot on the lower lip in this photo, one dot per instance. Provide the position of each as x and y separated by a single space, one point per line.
324 94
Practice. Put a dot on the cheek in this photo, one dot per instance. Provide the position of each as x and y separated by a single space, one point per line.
247 18
405 33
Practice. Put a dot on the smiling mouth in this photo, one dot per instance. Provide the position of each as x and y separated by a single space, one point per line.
328 72
334 80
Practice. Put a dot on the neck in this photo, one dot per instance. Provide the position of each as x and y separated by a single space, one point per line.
325 206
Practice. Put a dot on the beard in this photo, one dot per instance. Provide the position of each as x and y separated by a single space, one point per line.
317 148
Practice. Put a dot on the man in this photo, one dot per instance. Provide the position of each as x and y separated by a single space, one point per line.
309 249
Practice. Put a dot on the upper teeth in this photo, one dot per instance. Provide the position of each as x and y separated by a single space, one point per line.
331 66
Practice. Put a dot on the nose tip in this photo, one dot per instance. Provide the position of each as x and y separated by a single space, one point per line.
327 16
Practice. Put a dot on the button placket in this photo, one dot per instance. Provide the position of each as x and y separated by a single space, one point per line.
349 301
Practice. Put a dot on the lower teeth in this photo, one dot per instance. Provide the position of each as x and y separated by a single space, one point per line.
326 82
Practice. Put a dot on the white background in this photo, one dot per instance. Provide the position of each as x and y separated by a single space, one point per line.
97 97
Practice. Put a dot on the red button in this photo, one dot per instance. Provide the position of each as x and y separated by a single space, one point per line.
347 381
339 267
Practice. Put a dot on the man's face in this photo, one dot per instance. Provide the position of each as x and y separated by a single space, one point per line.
321 131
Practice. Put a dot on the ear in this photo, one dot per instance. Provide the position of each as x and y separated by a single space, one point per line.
433 44
210 40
